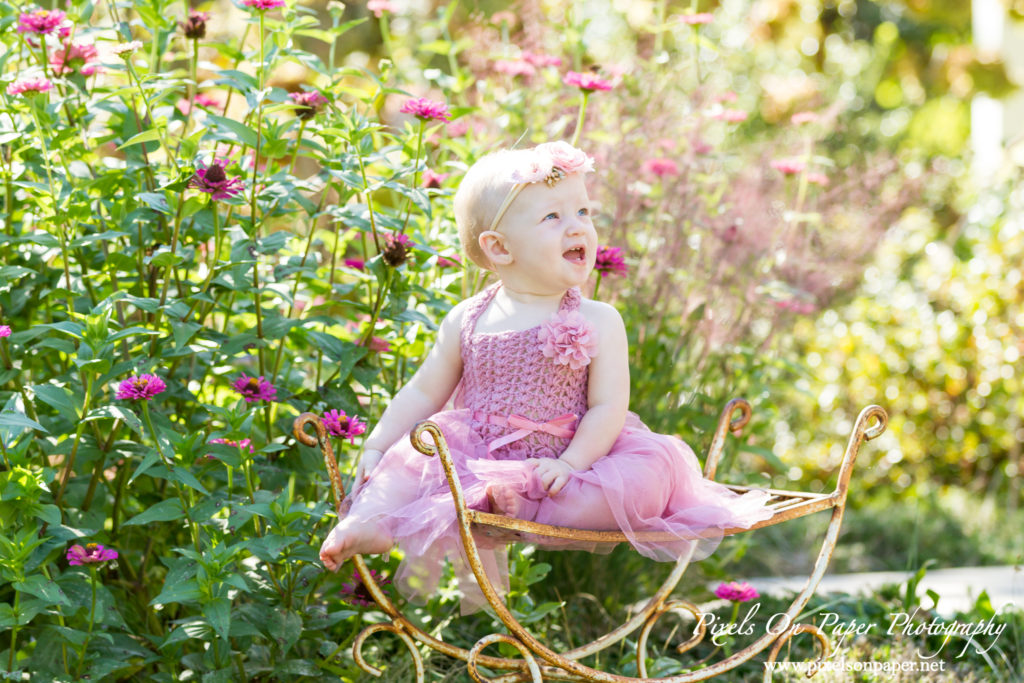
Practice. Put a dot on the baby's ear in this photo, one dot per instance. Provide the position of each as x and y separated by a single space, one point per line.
492 243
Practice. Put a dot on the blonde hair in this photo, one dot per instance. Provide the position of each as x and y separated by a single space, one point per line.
480 195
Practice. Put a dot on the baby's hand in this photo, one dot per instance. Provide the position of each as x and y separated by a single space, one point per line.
553 472
367 462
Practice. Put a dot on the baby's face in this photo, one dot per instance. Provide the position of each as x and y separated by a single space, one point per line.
549 233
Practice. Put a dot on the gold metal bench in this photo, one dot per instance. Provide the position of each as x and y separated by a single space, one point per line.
565 666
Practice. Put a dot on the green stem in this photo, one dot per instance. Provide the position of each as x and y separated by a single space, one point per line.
584 95
92 619
74 448
14 631
415 178
149 113
597 285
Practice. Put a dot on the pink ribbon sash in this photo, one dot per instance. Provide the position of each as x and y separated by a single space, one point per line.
561 426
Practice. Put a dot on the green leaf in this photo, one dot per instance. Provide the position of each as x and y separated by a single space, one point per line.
116 412
218 613
58 398
155 200
144 136
180 591
165 258
238 131
17 420
164 511
42 588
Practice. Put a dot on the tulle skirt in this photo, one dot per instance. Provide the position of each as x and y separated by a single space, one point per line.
647 482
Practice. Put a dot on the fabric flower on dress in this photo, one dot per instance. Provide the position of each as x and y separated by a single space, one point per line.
345 426
255 389
737 591
569 339
91 553
356 592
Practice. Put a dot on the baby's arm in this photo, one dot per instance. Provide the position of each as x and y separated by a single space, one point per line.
607 400
421 397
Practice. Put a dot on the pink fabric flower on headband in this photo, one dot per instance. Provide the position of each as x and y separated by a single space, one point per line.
545 158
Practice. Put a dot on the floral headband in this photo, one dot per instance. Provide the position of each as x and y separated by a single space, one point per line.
548 163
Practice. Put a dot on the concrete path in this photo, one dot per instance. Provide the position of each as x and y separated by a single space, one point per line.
957 588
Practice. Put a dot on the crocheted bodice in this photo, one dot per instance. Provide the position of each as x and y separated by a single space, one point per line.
506 373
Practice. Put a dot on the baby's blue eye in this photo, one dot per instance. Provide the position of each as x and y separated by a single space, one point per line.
584 211
551 215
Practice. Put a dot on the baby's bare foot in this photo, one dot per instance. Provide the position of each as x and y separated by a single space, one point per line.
503 500
350 538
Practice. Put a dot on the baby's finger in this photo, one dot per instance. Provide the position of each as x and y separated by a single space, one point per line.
558 484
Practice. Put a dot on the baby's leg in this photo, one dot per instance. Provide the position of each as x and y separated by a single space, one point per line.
578 505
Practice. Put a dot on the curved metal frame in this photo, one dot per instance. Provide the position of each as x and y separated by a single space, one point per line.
564 666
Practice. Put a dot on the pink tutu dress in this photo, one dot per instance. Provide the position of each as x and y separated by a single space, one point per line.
521 395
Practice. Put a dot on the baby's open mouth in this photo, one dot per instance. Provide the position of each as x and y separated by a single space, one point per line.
576 255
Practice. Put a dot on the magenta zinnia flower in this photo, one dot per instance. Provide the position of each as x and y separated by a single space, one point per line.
426 109
140 387
29 86
201 100
243 444
660 167
356 593
42 22
433 179
5 330
214 181
396 249
255 389
586 82
357 263
81 57
345 426
310 103
789 166
195 26
91 553
263 5
737 591
610 261
698 18
448 262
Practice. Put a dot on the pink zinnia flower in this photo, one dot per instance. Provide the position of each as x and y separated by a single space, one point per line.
356 593
448 262
695 19
91 553
263 5
377 344
515 67
244 443
29 86
5 330
202 100
737 591
727 96
569 339
379 7
803 117
214 181
796 306
140 388
610 261
426 109
731 115
125 50
345 426
541 60
255 389
660 167
41 22
396 249
81 57
433 179
357 263
789 166
310 102
817 178
194 27
586 82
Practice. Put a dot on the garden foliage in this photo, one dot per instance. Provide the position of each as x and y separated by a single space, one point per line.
216 219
